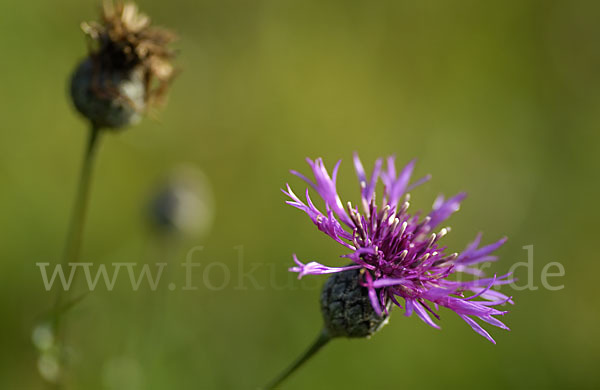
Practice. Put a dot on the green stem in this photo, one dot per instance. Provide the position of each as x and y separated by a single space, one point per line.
319 343
76 226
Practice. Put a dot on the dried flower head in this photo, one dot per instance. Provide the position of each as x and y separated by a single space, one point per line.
128 67
396 255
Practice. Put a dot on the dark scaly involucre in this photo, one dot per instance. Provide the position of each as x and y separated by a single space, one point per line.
346 308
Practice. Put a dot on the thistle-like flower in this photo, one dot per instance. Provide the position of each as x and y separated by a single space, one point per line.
128 67
396 257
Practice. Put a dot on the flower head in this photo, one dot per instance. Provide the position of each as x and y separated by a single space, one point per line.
128 66
399 254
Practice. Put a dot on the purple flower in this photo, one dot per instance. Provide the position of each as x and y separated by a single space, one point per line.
398 253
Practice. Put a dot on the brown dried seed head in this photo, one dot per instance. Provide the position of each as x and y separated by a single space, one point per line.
124 44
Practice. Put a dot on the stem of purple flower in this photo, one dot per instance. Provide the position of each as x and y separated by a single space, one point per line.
319 343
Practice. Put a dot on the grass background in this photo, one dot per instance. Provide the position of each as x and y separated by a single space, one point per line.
500 99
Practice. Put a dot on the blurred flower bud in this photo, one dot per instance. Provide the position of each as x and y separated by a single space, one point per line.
49 352
127 69
43 336
48 365
184 204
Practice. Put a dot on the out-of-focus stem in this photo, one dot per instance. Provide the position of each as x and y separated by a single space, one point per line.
76 226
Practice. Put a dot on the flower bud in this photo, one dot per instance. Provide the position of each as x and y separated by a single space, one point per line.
184 204
346 308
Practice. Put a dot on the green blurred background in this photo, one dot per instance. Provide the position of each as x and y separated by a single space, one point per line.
500 99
